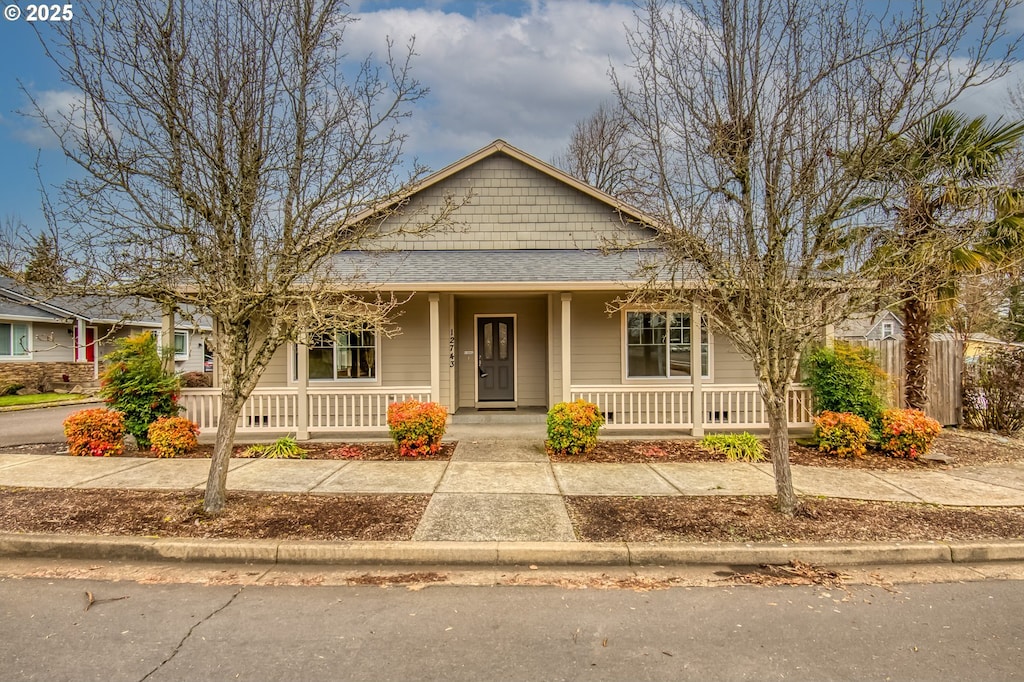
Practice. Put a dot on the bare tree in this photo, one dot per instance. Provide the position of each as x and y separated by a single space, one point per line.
604 153
228 150
762 120
12 256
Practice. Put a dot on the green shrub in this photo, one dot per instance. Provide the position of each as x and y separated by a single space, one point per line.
97 433
908 433
994 392
416 427
136 385
283 448
573 427
742 447
172 436
846 379
841 434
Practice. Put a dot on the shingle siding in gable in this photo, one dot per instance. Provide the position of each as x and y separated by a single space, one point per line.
514 206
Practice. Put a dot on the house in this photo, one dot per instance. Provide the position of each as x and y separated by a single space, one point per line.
62 339
509 310
879 325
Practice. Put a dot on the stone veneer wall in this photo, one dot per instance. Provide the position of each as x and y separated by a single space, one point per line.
38 375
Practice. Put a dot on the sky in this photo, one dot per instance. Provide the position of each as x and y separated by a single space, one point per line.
522 71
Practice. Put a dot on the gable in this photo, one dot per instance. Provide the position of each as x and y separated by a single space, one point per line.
513 206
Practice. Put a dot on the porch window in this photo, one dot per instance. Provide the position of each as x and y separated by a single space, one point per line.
180 345
13 340
348 354
658 345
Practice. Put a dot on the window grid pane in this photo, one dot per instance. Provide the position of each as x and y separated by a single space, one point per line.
658 344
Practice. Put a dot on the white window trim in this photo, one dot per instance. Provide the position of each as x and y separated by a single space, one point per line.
624 351
891 329
358 381
159 334
29 337
188 348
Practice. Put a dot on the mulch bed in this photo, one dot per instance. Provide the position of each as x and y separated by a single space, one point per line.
180 514
754 519
967 448
322 450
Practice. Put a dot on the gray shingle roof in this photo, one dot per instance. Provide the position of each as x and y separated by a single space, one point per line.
455 267
9 308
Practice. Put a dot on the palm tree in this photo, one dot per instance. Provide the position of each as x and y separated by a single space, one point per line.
951 216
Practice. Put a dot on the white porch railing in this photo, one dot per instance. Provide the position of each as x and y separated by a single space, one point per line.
722 406
338 410
637 407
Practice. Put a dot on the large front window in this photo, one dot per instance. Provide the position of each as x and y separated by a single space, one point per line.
658 345
343 355
13 340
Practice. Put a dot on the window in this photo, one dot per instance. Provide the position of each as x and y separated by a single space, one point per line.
14 340
343 355
888 329
180 345
658 345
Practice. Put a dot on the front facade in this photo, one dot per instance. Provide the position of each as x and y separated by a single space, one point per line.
514 306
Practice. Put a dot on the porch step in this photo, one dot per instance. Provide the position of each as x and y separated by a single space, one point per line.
530 415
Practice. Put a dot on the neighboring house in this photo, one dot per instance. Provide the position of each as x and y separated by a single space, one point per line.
44 340
978 344
883 324
509 309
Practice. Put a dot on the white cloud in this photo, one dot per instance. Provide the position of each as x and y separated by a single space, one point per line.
57 106
526 79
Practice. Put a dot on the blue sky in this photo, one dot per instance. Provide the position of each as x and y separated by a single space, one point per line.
521 71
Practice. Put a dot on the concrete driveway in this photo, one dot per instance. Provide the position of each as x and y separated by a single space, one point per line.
40 425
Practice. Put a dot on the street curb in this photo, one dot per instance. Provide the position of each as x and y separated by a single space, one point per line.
97 548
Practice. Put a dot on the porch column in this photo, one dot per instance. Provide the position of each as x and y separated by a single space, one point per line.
435 348
80 353
167 339
566 347
302 391
453 390
696 372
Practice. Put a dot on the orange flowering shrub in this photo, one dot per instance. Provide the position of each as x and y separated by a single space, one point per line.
572 427
171 436
908 433
841 433
97 433
417 428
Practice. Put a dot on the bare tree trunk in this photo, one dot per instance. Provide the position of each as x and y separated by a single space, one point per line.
916 324
778 446
216 483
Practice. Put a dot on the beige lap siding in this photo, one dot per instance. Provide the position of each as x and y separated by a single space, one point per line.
596 341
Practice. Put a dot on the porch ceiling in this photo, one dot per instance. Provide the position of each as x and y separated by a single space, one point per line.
494 268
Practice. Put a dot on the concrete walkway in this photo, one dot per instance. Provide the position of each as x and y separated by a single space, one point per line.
505 489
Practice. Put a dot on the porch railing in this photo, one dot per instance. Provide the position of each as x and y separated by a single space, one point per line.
723 406
638 407
337 410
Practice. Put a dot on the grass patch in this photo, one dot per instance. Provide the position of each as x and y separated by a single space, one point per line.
15 400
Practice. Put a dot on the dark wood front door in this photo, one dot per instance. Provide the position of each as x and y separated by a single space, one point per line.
495 338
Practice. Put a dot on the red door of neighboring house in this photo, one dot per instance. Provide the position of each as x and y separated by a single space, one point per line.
90 345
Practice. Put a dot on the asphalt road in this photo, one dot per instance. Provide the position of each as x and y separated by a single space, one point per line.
42 425
153 632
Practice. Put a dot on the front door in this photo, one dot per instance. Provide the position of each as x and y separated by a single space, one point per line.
495 339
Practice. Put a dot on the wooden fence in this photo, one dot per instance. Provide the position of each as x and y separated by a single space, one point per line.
945 368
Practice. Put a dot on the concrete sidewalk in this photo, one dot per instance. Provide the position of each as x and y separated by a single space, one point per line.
499 491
